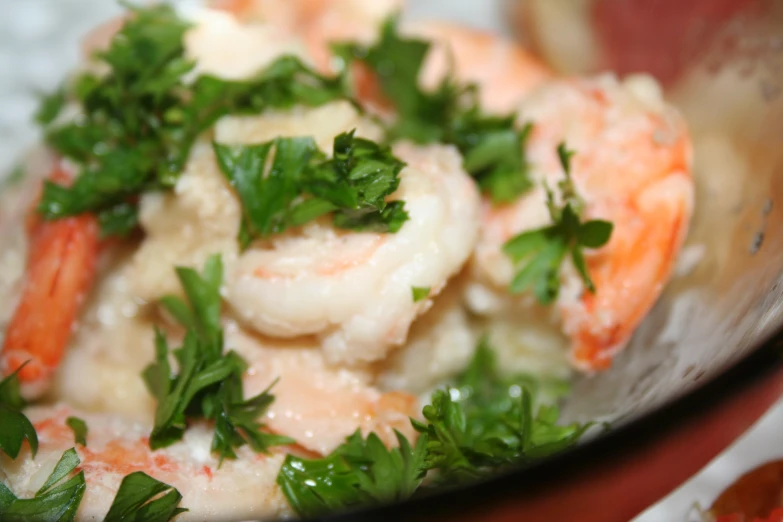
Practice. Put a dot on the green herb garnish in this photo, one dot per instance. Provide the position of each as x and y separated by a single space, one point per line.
287 182
492 147
359 472
16 175
420 293
139 499
541 252
209 382
79 428
16 427
485 423
57 500
488 421
140 120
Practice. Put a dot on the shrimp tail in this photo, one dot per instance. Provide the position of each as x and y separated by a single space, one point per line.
60 270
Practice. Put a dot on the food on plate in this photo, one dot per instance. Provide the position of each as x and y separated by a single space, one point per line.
288 258
755 496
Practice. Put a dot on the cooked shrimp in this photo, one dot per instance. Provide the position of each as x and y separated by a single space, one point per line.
213 40
319 22
315 403
633 168
113 345
60 270
238 489
505 71
440 345
353 290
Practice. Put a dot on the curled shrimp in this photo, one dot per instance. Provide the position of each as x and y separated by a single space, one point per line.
632 167
317 22
351 289
354 290
240 489
315 403
318 404
60 270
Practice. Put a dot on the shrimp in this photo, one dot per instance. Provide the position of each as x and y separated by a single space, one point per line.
60 270
239 489
315 403
318 404
505 71
318 22
353 290
439 346
633 167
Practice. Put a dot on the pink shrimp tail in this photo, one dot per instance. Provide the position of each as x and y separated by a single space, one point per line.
60 271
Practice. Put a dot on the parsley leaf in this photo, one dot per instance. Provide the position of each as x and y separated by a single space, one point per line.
139 499
492 147
287 182
140 120
485 423
53 501
208 384
50 106
540 252
314 487
13 178
16 426
360 471
420 293
79 428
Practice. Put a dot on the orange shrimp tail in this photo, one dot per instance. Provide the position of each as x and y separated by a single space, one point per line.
60 270
631 271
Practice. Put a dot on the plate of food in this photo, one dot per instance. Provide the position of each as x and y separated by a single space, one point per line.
339 260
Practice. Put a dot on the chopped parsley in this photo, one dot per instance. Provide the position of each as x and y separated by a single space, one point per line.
493 147
484 423
16 426
487 422
79 428
287 182
139 121
541 252
16 175
58 499
139 499
208 384
420 293
360 471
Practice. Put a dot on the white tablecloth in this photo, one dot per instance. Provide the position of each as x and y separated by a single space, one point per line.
39 42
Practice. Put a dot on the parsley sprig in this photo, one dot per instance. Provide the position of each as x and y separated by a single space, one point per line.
208 383
16 427
359 472
493 147
484 423
139 121
79 428
541 252
487 422
142 498
287 182
58 498
138 498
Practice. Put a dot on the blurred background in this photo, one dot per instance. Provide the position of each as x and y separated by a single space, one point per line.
39 42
